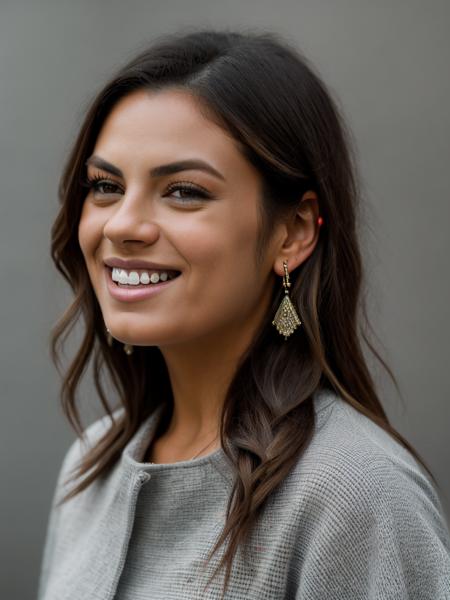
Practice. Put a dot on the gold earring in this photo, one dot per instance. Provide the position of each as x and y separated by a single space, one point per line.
109 338
286 319
128 349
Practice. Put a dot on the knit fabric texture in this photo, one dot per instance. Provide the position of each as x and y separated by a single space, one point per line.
356 518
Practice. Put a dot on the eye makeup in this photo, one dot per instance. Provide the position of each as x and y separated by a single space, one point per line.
97 183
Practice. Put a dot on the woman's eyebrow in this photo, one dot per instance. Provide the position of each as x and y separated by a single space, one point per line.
161 170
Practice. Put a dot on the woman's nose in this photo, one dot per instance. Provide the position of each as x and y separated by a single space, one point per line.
132 221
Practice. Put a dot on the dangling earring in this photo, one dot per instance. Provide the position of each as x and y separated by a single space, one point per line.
286 319
128 349
109 338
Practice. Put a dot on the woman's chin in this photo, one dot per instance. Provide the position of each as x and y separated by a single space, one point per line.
155 338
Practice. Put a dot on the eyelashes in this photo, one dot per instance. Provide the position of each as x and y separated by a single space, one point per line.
193 191
98 184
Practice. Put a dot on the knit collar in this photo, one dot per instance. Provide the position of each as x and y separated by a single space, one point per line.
133 453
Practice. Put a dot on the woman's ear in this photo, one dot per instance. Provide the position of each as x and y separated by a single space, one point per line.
302 232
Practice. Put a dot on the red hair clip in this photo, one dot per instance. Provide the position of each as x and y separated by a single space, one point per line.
320 221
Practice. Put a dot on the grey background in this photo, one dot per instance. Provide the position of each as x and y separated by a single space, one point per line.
386 61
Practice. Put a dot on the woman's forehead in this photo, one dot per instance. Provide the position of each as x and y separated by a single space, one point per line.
147 128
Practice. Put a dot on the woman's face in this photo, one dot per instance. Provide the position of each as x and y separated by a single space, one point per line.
199 220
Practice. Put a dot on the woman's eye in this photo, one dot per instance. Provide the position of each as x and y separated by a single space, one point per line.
100 185
185 192
188 192
104 187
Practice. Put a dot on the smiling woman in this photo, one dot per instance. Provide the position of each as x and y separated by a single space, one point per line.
209 227
183 217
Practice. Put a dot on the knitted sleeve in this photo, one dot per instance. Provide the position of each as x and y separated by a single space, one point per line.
381 535
73 455
52 523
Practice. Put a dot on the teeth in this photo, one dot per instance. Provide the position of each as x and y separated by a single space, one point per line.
133 277
123 277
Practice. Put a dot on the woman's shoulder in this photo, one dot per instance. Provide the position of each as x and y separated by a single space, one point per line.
352 464
344 434
364 516
81 445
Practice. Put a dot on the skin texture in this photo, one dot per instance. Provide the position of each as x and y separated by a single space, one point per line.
204 320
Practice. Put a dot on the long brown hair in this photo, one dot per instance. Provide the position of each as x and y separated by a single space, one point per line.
263 92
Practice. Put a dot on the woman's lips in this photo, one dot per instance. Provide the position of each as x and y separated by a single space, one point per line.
134 293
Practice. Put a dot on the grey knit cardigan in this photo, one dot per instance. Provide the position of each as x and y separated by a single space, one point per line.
356 518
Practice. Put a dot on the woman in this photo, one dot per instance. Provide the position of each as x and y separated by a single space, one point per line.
209 230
